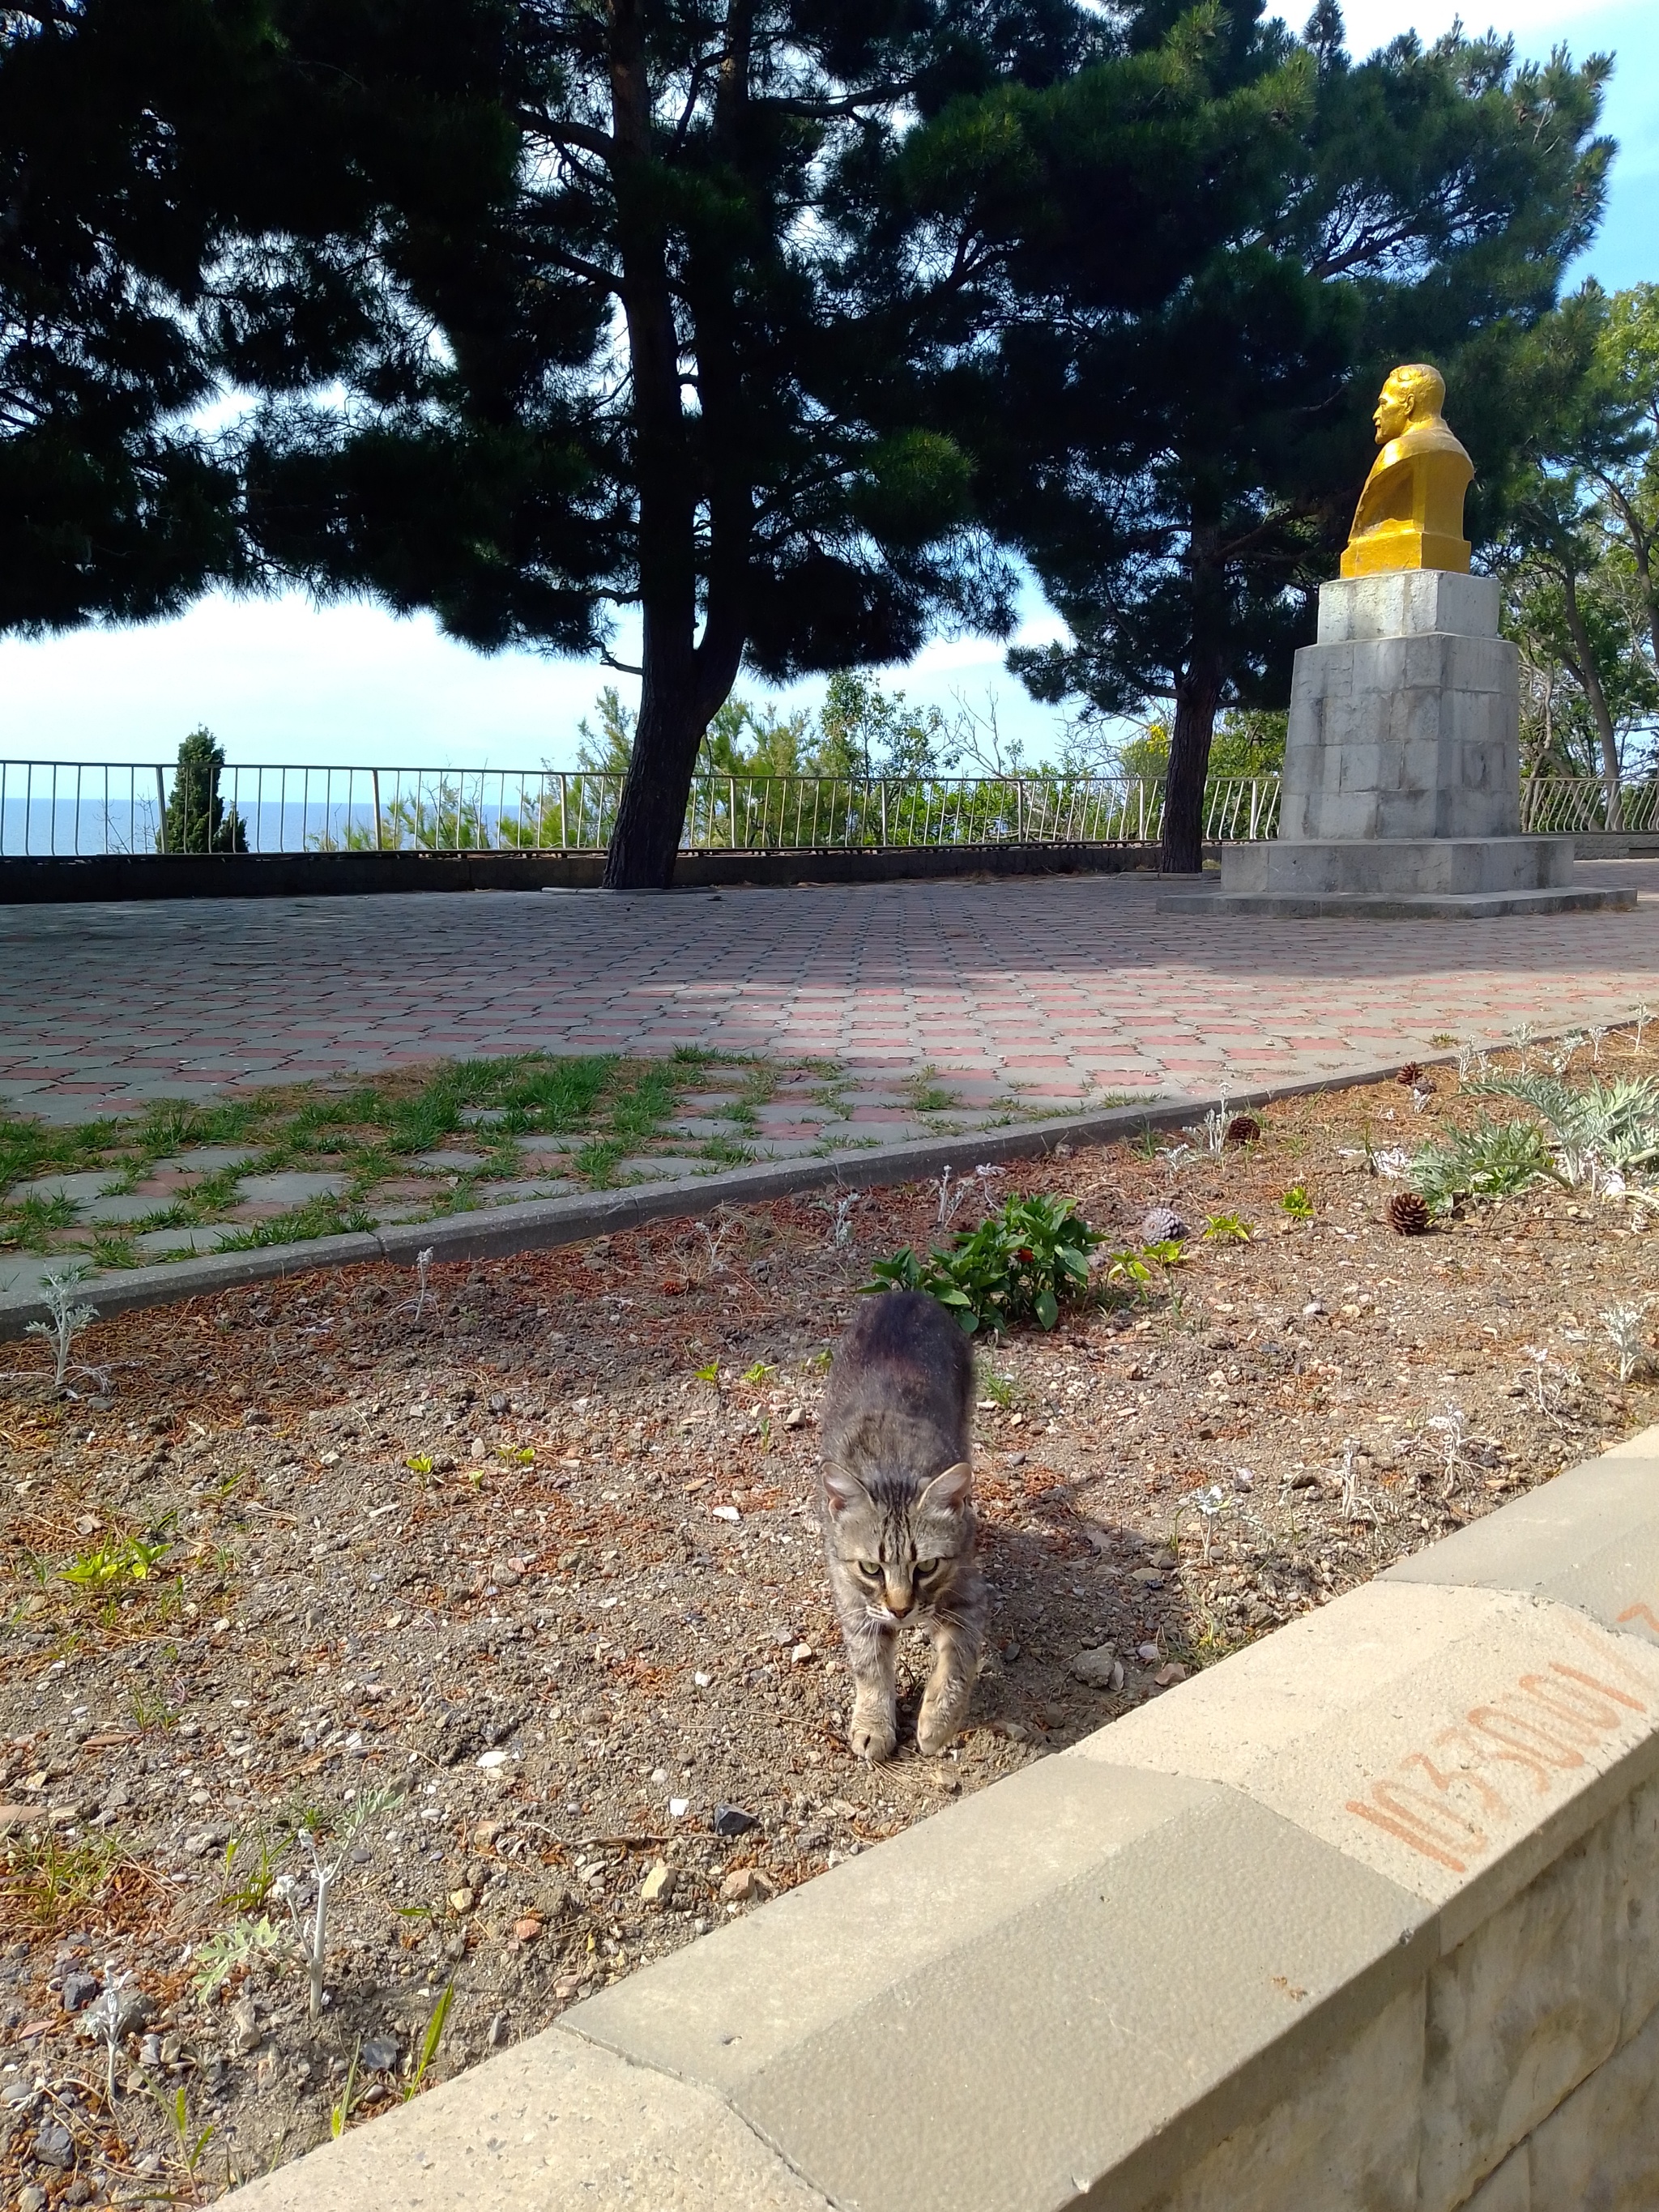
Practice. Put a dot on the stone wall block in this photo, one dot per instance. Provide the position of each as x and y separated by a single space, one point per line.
1345 2134
1520 2013
1600 2151
1509 2190
1640 1947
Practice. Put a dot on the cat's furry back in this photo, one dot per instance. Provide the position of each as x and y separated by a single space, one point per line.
896 1503
899 1407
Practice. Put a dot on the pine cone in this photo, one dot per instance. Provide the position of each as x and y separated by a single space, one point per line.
1411 1074
1408 1215
1163 1225
1243 1130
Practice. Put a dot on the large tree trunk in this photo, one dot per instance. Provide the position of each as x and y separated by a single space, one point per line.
1198 689
1197 695
683 681
1590 683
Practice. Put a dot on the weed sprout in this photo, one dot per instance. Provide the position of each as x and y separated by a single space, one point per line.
67 1319
1642 1014
947 1204
1216 1124
326 1872
1540 1359
713 1242
107 2018
423 1268
1355 1504
1624 1327
1451 1425
1209 1505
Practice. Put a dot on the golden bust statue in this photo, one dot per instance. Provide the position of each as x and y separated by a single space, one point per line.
1411 512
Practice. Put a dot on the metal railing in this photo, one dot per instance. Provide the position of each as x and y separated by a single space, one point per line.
1560 803
50 809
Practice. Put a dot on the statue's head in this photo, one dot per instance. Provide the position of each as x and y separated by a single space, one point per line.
1414 393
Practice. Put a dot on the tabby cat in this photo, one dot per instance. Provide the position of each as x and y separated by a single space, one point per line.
896 1506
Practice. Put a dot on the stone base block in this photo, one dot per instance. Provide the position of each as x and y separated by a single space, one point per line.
1397 906
1398 866
1405 717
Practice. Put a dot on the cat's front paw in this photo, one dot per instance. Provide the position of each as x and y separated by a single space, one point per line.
874 1732
940 1720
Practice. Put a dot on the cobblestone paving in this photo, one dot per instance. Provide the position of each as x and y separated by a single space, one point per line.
1057 989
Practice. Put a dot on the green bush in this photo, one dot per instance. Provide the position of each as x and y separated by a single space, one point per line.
1016 1266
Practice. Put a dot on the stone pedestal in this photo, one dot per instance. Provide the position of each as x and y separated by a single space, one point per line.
1402 791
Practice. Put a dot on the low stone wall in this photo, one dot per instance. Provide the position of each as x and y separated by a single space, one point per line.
1366 1916
354 875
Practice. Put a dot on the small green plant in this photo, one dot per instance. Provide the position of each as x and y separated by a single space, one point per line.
51 1884
758 1372
252 1887
420 1464
929 1098
1494 1159
430 2040
1016 1266
1297 1202
148 1711
1227 1229
1624 1328
1618 1121
709 1373
1126 1270
997 1388
67 1319
340 2113
117 1560
190 2144
238 1945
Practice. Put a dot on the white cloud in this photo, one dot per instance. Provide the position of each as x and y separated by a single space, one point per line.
280 680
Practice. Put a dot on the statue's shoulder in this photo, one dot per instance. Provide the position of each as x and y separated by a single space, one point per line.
1420 439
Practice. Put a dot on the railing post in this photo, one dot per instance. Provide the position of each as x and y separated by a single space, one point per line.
161 809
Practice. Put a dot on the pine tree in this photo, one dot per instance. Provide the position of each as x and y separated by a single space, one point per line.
196 820
1200 461
701 368
190 191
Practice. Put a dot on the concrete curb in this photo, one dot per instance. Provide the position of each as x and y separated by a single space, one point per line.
540 1224
1363 1915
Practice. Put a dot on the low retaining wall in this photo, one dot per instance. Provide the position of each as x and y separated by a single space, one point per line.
351 875
1366 1916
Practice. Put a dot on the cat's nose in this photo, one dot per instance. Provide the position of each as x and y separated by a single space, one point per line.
899 1602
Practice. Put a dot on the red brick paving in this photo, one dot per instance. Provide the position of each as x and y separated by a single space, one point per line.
1057 986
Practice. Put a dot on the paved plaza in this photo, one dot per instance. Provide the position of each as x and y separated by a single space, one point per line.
1052 990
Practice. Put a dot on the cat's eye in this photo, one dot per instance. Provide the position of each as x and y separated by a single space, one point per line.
928 1566
872 1568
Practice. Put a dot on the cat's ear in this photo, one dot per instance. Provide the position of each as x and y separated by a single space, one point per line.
948 1492
842 1490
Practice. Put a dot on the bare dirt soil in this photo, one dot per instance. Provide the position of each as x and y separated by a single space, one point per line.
510 1598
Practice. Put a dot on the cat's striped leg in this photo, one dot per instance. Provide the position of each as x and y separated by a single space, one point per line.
956 1638
872 1654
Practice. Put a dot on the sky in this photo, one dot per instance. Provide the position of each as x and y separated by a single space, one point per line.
281 681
